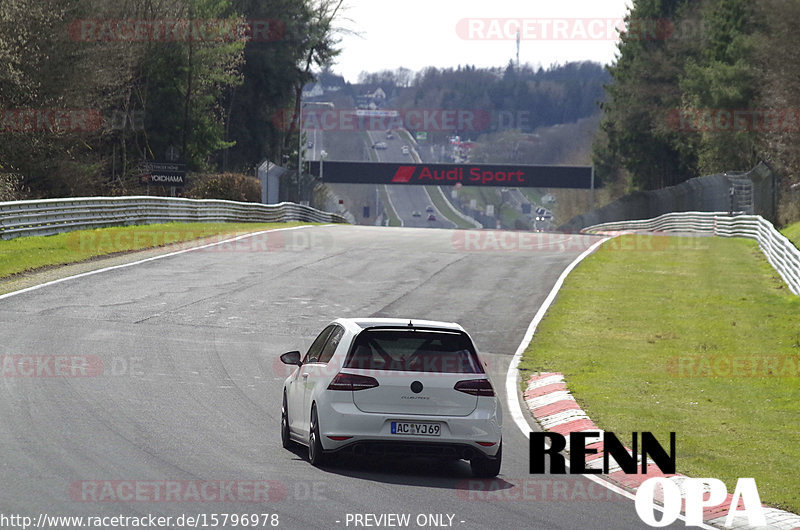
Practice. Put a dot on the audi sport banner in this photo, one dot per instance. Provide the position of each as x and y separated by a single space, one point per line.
579 177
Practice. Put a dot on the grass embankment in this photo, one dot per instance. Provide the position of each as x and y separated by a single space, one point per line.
388 208
693 335
25 254
792 233
446 210
508 216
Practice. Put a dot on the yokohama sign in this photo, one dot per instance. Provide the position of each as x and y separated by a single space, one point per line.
162 173
466 174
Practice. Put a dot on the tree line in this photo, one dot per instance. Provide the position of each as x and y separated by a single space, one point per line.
532 96
90 88
712 86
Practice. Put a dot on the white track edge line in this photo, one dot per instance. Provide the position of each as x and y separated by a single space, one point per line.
152 258
511 376
391 205
441 214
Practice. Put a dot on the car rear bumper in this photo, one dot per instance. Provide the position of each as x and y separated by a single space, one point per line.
371 433
444 450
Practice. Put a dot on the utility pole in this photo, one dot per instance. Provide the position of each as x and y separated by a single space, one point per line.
300 142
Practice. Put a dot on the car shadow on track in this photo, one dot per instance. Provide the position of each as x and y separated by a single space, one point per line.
409 471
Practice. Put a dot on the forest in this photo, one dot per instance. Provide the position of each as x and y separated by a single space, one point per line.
561 93
91 88
715 89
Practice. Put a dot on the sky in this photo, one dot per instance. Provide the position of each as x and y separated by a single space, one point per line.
447 33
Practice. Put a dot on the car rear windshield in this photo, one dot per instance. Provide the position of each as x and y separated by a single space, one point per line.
414 351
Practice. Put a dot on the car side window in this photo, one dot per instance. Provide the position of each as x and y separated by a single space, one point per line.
314 351
331 345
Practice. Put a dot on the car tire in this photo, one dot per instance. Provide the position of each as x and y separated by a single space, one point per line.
286 439
483 467
315 454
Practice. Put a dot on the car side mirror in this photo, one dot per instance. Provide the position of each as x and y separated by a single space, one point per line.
291 357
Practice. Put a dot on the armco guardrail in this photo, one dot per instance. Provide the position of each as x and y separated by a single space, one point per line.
780 252
52 216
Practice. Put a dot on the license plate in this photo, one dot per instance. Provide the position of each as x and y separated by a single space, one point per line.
422 429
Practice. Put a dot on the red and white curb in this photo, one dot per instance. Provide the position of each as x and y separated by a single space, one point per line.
556 410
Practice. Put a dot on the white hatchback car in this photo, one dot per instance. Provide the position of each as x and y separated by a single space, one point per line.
393 387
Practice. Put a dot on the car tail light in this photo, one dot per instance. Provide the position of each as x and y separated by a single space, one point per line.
476 387
486 444
352 382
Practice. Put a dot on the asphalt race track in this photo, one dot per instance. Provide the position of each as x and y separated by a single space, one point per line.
172 383
405 200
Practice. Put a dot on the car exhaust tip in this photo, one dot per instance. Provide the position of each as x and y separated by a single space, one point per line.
467 454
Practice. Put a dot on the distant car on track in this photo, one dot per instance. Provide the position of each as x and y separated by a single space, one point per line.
415 213
431 217
393 387
429 209
379 145
404 150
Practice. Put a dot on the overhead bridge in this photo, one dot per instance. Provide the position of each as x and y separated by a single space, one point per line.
514 176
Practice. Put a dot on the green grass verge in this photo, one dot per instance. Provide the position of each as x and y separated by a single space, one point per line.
393 219
25 254
792 233
404 136
513 218
507 215
534 195
467 193
441 204
645 330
